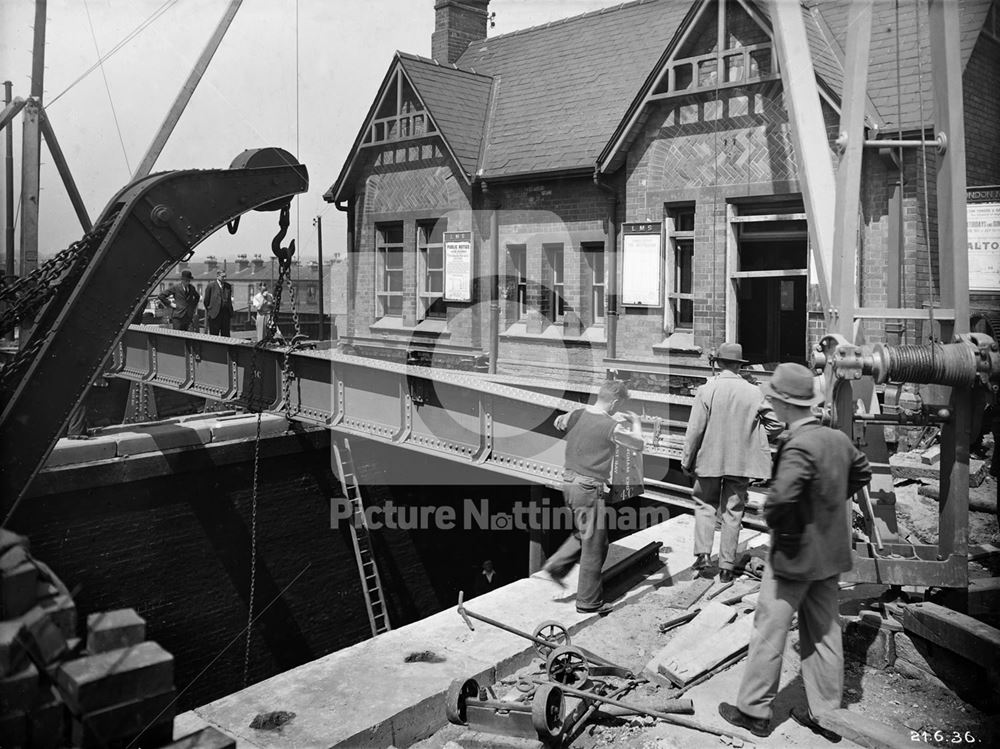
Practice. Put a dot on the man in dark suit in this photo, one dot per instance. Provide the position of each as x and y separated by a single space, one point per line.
816 471
182 299
219 304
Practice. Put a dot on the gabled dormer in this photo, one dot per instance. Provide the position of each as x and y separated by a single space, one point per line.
421 102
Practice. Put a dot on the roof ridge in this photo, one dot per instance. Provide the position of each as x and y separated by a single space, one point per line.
561 21
435 63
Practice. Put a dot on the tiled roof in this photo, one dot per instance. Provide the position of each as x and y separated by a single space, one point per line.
457 101
882 86
562 88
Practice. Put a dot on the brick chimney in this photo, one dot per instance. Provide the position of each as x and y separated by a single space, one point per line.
242 262
258 263
211 262
456 24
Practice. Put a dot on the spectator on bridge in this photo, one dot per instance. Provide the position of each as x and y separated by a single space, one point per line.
182 298
816 471
724 448
486 580
263 305
591 436
219 305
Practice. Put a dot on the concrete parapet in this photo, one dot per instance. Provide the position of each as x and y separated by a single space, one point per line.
160 438
367 695
69 451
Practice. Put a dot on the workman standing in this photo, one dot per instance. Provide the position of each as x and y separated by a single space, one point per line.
725 448
817 470
182 299
219 304
592 434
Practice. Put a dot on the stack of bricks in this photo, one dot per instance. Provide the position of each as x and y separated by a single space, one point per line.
114 690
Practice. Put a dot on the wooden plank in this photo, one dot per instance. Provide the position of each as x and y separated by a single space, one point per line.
984 596
708 651
863 730
902 313
711 619
695 591
957 632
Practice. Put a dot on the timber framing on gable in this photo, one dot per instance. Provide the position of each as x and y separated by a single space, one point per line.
734 60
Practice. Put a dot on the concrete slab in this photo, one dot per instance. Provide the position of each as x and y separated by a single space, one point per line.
68 452
161 438
245 425
367 695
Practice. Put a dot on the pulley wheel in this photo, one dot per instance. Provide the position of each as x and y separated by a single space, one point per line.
568 665
459 691
552 632
547 713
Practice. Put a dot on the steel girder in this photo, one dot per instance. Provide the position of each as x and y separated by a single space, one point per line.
158 220
458 416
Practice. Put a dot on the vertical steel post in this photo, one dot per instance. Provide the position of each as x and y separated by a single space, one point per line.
953 266
30 147
319 249
8 162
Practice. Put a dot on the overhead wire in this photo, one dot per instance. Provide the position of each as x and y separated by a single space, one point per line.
167 5
107 87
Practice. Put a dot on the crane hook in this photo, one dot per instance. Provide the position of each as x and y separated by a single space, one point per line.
284 254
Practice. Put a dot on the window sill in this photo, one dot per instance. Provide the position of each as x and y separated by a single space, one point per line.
681 342
555 332
427 327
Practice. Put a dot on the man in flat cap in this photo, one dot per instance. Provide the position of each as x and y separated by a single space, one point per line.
724 448
816 472
182 298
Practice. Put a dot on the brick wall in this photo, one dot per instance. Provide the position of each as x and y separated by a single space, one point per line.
981 99
177 549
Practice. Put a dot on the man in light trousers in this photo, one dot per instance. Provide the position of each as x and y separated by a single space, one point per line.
725 447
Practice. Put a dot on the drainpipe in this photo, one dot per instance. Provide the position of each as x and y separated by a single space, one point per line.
348 208
611 266
494 290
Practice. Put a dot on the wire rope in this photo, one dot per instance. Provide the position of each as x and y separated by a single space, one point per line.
107 87
923 162
118 47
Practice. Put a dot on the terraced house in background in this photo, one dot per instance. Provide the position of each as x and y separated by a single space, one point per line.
628 178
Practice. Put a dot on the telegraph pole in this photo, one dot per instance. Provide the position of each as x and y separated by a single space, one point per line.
31 147
318 222
8 162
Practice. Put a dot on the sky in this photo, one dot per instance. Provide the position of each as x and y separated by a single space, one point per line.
297 74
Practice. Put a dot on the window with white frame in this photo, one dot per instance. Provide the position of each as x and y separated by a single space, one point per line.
430 256
593 254
389 273
680 235
557 298
517 256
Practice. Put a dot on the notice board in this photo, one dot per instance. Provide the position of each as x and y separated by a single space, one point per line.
642 257
982 210
458 266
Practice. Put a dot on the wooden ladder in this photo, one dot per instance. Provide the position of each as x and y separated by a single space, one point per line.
361 538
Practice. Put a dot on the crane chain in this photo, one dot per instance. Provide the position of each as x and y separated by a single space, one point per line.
25 296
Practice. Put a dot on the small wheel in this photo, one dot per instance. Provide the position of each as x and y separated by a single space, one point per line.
526 687
568 665
547 713
459 691
552 632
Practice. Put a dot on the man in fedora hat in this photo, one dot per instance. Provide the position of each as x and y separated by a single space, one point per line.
816 471
182 298
725 447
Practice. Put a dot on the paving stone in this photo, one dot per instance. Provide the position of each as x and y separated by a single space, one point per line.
42 636
99 681
111 630
62 612
13 655
47 721
17 587
910 465
125 721
9 539
19 690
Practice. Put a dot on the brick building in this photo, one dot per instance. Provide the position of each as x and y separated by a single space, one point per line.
628 177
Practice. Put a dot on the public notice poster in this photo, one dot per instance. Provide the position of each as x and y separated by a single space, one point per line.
458 266
983 217
641 258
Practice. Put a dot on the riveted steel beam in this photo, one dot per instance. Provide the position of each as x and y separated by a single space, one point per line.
461 417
